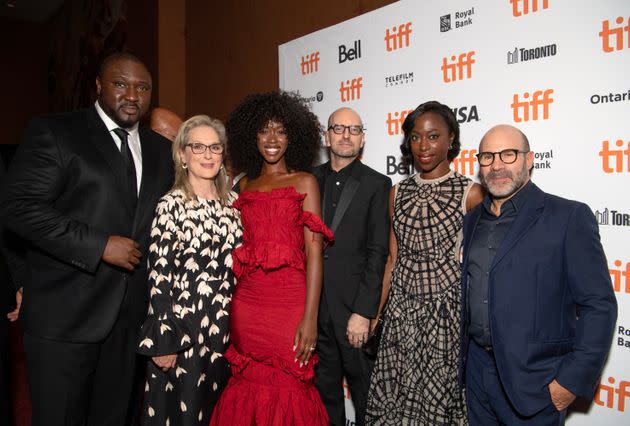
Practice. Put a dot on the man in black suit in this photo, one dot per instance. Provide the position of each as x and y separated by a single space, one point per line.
354 206
81 191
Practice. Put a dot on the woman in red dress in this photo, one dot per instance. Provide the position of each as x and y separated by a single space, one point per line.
274 138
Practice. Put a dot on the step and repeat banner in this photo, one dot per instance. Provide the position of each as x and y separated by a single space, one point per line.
557 69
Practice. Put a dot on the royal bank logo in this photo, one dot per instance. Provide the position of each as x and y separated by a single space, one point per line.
610 97
317 97
445 23
399 79
461 19
609 217
543 160
520 54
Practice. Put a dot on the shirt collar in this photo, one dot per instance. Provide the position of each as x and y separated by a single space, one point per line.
346 171
515 202
111 125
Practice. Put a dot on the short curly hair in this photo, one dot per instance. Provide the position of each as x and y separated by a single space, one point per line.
449 118
304 131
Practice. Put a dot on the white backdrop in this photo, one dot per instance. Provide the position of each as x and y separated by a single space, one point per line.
558 70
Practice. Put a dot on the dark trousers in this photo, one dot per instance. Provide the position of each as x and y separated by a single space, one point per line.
336 360
84 383
488 404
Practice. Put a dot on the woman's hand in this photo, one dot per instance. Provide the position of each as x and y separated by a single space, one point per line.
165 361
305 340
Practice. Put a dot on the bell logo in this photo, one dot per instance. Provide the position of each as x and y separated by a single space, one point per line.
351 90
455 70
622 391
395 121
309 63
521 109
613 159
618 31
525 4
397 37
619 275
464 163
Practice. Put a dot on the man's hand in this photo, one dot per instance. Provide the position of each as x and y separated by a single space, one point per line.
560 396
357 331
165 361
122 252
14 314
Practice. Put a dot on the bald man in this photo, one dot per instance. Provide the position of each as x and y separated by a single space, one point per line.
539 307
165 122
354 205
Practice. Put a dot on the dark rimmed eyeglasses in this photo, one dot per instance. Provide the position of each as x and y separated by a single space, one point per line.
354 130
507 156
200 148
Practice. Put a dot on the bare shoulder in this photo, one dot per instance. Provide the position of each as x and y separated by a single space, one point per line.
304 182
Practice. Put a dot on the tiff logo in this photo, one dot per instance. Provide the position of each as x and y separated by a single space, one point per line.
398 37
606 34
620 274
516 11
455 70
395 121
309 63
612 393
616 157
464 163
522 109
351 90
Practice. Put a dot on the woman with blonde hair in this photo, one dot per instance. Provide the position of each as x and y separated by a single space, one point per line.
191 281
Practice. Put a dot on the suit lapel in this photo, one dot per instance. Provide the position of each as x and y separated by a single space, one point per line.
149 176
347 194
102 140
531 209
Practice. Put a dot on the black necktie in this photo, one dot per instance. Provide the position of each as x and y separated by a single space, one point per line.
130 167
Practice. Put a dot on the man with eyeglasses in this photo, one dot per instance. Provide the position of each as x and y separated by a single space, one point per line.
81 191
539 307
354 206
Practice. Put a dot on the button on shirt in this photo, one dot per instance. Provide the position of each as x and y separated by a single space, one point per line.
489 234
133 140
333 185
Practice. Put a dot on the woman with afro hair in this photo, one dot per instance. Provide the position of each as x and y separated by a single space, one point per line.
274 138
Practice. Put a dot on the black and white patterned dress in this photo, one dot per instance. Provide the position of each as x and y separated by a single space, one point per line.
414 381
191 284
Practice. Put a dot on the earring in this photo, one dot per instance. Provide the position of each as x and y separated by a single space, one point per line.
221 168
184 166
450 148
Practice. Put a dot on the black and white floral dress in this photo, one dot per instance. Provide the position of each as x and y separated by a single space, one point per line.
191 284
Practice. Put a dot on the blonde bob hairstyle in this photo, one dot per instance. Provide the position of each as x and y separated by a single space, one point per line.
179 145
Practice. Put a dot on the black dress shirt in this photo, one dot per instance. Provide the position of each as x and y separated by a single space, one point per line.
489 233
333 185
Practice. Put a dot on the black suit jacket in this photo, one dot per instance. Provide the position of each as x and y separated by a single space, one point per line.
64 194
354 264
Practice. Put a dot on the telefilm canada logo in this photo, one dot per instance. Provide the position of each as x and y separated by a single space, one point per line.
399 79
457 20
609 217
521 54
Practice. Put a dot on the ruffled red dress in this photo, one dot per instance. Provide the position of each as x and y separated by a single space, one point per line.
268 387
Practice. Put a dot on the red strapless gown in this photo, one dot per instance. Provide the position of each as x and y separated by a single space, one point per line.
267 386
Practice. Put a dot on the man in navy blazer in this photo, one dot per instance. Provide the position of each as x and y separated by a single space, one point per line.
539 308
82 191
